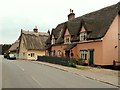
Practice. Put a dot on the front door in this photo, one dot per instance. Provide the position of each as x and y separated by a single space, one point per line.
91 57
67 53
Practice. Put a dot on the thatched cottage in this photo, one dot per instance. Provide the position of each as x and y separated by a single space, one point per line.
92 38
29 45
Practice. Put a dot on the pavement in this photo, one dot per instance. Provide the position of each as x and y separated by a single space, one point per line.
111 77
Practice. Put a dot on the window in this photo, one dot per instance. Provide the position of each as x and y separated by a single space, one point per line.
48 53
32 54
53 41
83 36
53 53
59 53
67 39
83 54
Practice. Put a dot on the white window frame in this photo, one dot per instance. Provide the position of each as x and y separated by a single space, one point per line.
53 53
65 40
59 52
83 36
83 54
32 54
53 41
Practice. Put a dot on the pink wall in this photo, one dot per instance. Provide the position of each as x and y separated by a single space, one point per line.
58 47
90 45
66 33
110 41
119 50
119 40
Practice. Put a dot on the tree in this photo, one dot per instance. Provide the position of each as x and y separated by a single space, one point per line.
5 48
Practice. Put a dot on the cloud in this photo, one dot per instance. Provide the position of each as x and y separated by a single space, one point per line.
46 14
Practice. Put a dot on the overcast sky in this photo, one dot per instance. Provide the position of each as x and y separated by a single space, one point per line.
45 14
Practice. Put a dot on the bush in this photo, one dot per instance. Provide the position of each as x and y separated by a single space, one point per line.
58 60
72 63
81 62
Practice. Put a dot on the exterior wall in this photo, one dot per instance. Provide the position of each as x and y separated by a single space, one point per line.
82 29
22 50
119 38
110 44
119 50
97 46
36 53
26 54
66 33
57 48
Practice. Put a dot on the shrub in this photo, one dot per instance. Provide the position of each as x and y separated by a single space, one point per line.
58 60
81 62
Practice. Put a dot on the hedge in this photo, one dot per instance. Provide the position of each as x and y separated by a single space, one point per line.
58 60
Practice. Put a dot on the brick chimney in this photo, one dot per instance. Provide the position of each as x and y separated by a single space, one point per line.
71 16
35 29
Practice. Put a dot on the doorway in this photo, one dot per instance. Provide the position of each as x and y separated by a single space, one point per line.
67 53
91 57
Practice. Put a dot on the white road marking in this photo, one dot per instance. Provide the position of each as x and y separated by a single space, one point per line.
36 81
21 68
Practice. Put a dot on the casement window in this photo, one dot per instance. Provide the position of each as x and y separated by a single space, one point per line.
67 39
32 54
53 41
83 54
59 53
53 53
83 36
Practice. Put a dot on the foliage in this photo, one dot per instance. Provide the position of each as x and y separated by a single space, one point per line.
81 62
58 60
5 48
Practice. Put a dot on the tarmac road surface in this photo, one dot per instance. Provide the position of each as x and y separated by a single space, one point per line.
25 74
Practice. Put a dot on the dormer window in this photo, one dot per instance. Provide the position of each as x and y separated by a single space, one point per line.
83 36
53 40
67 39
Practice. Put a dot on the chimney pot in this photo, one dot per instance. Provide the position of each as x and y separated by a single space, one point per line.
35 29
71 16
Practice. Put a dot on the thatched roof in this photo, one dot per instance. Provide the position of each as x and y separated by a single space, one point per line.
14 46
95 23
69 47
33 40
58 33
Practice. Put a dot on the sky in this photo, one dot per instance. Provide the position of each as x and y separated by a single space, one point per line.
45 14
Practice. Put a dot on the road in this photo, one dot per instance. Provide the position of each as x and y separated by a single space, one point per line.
26 74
